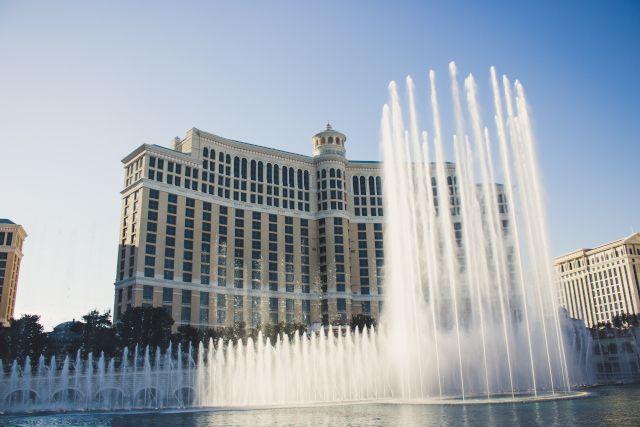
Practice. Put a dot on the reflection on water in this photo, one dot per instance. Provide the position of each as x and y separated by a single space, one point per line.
613 405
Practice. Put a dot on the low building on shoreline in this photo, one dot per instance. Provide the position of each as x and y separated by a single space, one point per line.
615 355
598 284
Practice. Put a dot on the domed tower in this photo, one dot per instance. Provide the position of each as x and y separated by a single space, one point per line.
333 225
331 163
328 142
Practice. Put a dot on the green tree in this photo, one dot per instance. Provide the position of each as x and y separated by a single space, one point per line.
98 334
235 333
145 326
186 335
361 321
210 334
275 331
625 321
24 337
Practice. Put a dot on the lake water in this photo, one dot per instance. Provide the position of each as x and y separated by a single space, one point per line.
611 405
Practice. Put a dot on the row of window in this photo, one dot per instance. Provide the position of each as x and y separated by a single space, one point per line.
360 186
6 238
221 305
258 171
3 265
239 195
364 261
365 212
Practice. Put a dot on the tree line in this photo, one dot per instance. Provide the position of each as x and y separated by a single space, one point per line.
620 321
141 326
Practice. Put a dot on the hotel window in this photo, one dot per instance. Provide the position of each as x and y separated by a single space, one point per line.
147 293
185 315
366 307
167 295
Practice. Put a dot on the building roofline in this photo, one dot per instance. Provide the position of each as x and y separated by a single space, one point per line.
245 145
589 251
167 151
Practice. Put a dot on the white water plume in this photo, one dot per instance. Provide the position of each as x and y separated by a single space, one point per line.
494 326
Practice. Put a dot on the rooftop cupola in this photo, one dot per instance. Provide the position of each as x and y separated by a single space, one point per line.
328 142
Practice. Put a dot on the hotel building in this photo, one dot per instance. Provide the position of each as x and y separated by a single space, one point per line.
597 284
219 231
12 236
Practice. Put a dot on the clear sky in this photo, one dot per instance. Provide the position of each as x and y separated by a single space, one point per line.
82 84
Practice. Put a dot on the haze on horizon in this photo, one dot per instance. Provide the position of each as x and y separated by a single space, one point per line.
85 83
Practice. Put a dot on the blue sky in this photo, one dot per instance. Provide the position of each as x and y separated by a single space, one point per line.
84 83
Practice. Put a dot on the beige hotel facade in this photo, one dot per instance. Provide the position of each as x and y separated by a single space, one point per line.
12 237
597 284
218 231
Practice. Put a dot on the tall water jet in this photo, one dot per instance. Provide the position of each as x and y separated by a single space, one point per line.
477 292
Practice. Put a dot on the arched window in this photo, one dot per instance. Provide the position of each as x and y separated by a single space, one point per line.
332 173
276 174
260 172
449 181
236 167
596 349
205 152
322 140
221 157
324 173
228 159
355 186
269 173
363 186
306 180
243 174
330 140
300 179
213 154
291 175
378 186
253 170
372 186
338 141
284 176
339 173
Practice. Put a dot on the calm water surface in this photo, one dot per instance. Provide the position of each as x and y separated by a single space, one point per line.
610 406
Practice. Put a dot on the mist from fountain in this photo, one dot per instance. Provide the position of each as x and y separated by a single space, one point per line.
470 309
474 320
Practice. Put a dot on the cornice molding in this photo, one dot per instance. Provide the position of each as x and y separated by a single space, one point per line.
262 151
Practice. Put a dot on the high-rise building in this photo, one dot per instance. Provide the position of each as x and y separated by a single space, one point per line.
12 236
219 231
600 283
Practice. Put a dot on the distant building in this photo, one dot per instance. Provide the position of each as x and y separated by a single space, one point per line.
218 231
615 355
597 284
63 336
12 236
